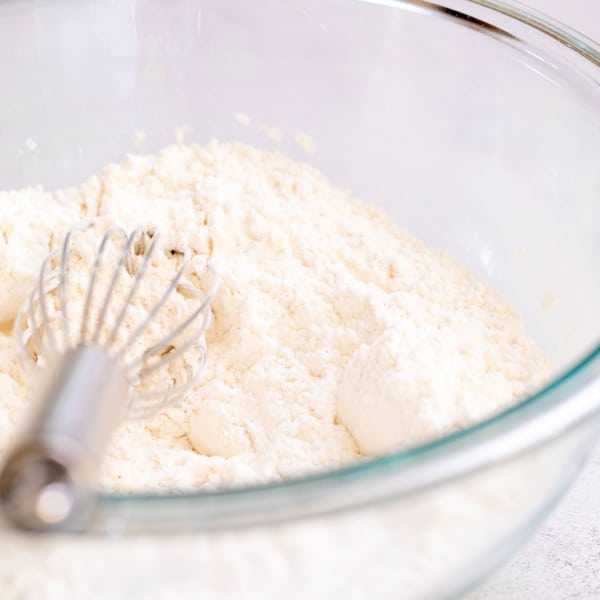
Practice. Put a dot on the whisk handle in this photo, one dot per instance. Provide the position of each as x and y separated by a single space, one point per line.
47 479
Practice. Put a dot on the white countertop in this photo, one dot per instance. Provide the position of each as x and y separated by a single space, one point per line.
562 560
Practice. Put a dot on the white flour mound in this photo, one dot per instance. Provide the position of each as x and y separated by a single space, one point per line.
334 333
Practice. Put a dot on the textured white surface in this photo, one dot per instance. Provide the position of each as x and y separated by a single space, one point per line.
562 561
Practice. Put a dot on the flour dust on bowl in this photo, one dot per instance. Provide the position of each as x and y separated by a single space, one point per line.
374 419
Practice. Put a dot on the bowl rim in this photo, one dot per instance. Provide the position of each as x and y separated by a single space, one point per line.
570 399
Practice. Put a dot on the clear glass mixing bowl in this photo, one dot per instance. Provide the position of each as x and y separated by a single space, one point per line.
476 125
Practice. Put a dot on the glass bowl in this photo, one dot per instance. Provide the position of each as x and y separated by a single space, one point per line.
476 125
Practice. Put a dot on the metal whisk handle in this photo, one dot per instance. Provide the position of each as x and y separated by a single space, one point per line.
47 478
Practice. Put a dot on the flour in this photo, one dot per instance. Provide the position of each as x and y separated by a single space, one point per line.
334 333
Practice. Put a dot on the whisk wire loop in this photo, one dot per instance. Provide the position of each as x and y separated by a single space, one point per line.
49 334
113 231
202 310
147 256
113 283
63 275
157 306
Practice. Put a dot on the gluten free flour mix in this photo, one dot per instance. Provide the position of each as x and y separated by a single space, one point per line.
334 334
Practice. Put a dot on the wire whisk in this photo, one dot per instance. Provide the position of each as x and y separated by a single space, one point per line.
99 362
